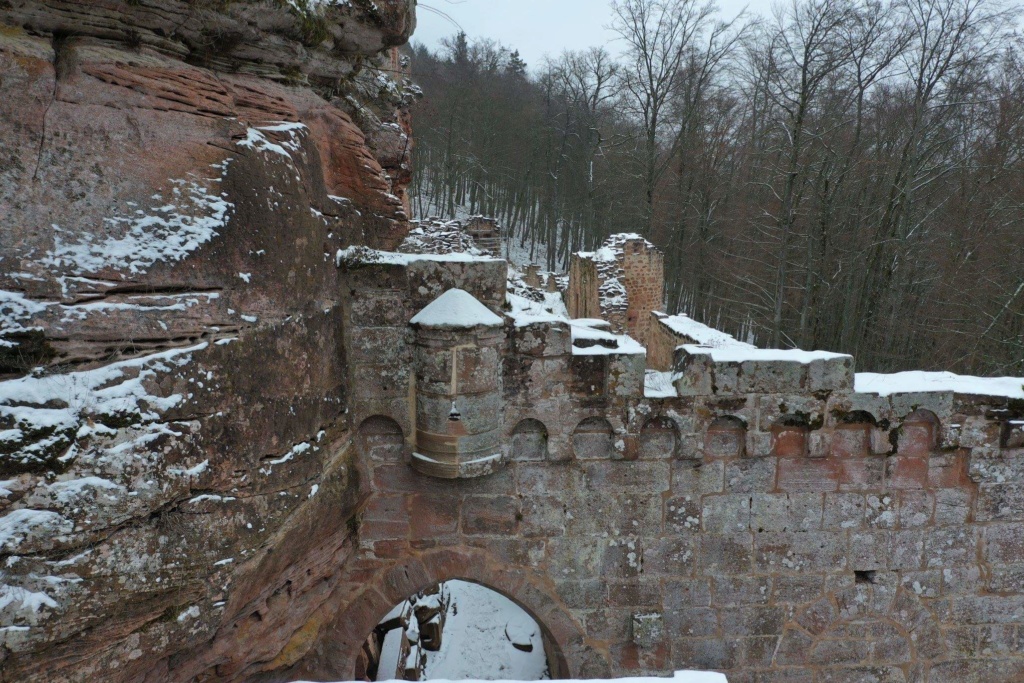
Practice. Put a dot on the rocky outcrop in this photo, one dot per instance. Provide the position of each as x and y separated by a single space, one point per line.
176 490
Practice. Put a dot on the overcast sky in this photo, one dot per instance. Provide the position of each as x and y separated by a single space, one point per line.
537 27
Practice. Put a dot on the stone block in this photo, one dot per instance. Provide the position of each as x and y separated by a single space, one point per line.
808 474
819 443
770 376
1000 502
542 516
861 474
844 511
706 654
577 558
741 590
906 550
725 553
623 558
671 557
832 374
634 593
800 551
797 589
906 472
698 477
433 515
915 508
750 475
687 592
851 441
683 515
490 515
690 621
1004 543
540 479
647 629
628 477
869 550
753 620
725 514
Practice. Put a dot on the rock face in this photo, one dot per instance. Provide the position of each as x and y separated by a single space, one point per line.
175 494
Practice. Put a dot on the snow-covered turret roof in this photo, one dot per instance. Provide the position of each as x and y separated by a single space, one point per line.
456 308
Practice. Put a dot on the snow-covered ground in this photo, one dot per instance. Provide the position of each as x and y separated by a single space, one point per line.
679 677
481 631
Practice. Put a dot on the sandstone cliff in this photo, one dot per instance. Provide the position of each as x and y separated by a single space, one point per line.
175 176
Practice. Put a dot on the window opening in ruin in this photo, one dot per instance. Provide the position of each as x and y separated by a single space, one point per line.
456 630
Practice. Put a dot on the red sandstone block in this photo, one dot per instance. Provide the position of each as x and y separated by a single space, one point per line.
947 471
789 442
860 474
916 438
386 509
391 549
808 474
851 441
376 530
433 515
907 472
630 658
490 515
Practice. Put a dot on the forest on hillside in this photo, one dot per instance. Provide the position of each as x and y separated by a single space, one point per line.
841 174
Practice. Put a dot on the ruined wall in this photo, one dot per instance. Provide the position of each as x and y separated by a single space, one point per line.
759 528
643 274
176 487
621 282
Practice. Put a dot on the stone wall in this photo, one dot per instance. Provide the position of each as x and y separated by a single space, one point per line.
774 533
622 283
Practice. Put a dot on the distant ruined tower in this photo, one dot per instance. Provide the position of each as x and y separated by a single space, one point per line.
621 282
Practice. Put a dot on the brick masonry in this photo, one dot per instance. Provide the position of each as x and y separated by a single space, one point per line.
762 529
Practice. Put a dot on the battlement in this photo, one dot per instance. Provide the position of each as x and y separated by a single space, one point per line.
598 393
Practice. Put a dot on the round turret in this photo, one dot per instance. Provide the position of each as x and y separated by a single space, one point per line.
458 387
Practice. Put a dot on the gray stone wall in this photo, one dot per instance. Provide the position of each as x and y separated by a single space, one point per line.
759 528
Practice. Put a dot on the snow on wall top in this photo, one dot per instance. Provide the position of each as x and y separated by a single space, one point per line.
724 348
364 255
699 333
456 308
917 381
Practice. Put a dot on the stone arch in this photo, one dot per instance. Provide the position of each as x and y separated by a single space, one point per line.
790 436
659 438
851 436
380 439
339 649
593 439
529 440
919 433
726 437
